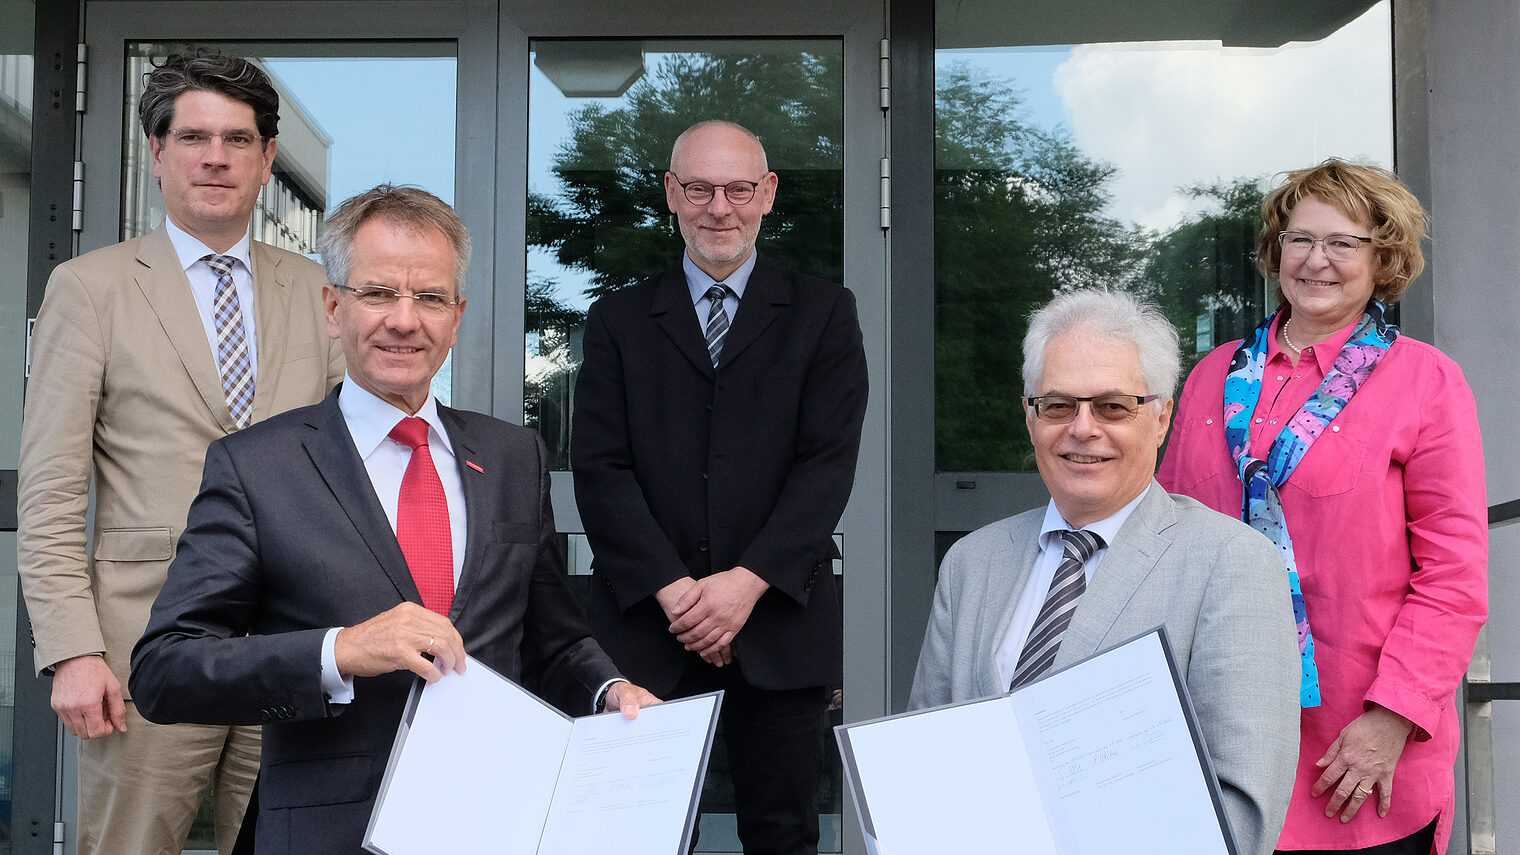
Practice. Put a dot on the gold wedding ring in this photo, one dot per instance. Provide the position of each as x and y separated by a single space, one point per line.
1366 792
429 649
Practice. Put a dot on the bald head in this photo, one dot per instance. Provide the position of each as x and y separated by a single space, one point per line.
717 130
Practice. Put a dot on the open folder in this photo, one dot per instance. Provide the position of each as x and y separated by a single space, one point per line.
481 765
1101 757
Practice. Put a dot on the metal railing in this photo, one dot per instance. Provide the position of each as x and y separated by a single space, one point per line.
1479 692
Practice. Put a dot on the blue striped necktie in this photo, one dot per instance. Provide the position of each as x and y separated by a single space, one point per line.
717 321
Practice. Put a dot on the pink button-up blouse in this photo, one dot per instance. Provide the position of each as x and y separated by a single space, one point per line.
1389 519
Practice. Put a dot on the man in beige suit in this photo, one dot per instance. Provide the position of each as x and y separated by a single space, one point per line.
143 353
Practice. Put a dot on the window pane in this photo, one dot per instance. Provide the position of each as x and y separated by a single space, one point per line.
339 104
597 219
16 64
1137 165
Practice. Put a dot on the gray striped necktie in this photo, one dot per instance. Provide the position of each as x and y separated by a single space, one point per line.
1066 588
717 321
232 358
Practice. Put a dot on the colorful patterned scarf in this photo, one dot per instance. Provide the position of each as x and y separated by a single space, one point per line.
1262 508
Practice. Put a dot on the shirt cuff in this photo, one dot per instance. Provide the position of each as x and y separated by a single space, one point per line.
338 688
601 694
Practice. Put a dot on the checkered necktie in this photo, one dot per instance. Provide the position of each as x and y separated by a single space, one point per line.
1050 624
717 321
232 358
422 520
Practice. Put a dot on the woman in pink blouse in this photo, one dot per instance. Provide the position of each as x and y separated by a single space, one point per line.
1356 450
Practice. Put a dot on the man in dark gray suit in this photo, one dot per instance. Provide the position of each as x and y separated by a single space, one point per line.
339 549
1113 555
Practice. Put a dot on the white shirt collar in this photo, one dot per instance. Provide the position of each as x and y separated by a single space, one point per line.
370 420
190 249
697 280
1107 528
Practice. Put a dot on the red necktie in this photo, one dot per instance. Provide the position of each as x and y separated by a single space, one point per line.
422 520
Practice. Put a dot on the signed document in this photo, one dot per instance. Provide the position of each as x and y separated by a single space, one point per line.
1103 756
481 765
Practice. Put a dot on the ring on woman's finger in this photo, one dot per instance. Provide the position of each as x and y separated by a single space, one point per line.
1366 792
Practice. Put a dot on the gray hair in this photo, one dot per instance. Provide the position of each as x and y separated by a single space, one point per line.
1115 315
403 205
201 70
675 148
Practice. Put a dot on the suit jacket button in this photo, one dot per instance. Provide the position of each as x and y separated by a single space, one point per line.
702 545
265 716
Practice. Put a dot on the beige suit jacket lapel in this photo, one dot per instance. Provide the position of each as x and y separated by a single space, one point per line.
166 288
271 305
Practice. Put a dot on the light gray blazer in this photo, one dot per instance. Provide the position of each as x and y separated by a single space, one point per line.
1220 588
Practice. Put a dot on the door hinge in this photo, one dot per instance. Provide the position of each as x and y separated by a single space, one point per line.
886 193
78 195
57 838
81 66
886 74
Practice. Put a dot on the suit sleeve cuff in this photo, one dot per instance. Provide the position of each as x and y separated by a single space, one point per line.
600 697
337 688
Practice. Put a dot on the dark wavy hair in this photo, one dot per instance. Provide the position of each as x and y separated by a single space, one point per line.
207 71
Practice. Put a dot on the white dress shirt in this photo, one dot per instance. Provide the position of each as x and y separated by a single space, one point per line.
370 421
192 254
1052 549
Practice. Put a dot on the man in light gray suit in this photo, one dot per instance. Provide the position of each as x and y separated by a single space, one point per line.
1018 597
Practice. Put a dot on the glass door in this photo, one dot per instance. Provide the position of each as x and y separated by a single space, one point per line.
608 88
370 93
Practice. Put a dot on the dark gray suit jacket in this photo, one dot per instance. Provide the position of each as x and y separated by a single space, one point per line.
1221 590
287 540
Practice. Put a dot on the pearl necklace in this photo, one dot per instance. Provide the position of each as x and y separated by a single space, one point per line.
1289 341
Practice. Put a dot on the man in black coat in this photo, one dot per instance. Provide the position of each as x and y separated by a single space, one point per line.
716 427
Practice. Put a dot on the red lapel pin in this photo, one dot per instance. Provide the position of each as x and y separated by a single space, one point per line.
473 465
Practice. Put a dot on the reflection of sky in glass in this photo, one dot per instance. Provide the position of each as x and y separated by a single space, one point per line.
390 120
1168 115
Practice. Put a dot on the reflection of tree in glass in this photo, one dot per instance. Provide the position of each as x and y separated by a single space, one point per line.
1203 271
607 218
553 353
1018 215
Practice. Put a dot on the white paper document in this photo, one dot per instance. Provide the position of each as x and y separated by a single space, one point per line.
483 766
1101 757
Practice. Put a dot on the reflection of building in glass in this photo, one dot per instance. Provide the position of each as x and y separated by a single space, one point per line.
291 206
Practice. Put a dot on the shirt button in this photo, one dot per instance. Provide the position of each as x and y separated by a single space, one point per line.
1336 428
1279 377
1208 421
1272 422
1258 421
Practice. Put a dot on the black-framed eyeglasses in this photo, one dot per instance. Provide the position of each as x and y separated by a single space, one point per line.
702 192
197 138
384 299
1060 409
1336 247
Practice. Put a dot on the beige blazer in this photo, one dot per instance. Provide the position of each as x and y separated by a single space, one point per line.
124 387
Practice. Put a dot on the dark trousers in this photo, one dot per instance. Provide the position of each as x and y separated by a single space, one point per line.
775 742
1419 843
